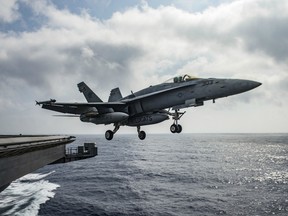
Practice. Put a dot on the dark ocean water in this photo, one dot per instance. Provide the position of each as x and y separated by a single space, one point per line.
181 174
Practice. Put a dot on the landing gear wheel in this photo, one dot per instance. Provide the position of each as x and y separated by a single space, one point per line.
176 128
179 128
142 135
109 135
173 128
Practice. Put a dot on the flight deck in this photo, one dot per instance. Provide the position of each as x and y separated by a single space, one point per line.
23 154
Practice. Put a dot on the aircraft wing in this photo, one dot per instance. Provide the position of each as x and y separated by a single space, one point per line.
79 108
64 109
102 107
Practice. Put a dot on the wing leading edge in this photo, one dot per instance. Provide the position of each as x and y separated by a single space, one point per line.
79 108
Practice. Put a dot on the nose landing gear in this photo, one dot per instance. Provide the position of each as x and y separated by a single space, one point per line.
176 128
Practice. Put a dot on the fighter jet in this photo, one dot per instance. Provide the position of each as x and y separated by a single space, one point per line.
150 105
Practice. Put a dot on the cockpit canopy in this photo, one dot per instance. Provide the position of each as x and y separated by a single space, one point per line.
181 78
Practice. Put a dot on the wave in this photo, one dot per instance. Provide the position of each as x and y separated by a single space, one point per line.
277 177
25 195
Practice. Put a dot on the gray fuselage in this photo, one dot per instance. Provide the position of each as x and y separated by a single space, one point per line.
186 93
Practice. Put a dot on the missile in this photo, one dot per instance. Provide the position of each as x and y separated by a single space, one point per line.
45 102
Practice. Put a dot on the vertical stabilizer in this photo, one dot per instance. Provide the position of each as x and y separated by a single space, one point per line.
88 93
115 95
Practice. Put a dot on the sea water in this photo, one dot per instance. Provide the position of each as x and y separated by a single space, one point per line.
167 174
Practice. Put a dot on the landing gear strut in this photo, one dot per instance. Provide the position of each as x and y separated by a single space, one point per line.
141 134
176 128
109 134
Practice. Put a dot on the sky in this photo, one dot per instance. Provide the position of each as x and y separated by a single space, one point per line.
48 46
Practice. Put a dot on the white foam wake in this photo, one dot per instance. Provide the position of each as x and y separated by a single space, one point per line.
25 195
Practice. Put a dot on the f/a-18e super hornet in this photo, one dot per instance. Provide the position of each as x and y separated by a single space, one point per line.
150 105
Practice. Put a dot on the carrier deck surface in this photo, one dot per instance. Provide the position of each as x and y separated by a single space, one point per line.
20 155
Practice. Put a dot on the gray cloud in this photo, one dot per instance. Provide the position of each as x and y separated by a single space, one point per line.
266 34
40 65
105 64
9 11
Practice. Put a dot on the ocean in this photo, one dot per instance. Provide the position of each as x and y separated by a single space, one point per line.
167 174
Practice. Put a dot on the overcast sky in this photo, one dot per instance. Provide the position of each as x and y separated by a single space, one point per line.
47 47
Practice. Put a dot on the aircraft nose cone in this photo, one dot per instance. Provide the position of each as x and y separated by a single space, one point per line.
239 86
253 84
258 84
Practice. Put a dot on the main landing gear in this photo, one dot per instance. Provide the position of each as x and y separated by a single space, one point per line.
109 134
176 128
141 134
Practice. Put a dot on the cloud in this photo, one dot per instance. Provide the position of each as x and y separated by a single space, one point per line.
9 11
267 35
266 30
141 46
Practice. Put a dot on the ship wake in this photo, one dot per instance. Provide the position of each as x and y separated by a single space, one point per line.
25 195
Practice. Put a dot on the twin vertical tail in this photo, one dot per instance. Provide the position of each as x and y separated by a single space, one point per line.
115 95
88 93
91 97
